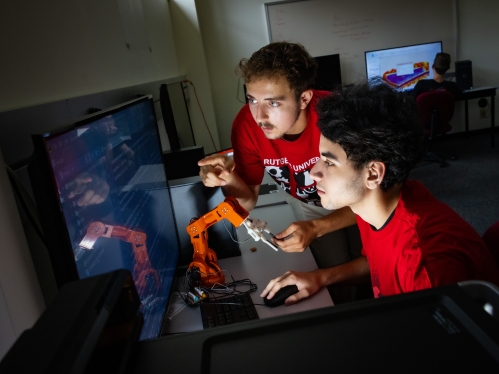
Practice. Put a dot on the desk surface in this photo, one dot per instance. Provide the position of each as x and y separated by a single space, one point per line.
480 89
260 267
478 92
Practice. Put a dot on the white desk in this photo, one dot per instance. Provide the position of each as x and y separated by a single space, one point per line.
260 267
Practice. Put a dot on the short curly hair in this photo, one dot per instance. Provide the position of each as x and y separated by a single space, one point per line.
373 122
280 60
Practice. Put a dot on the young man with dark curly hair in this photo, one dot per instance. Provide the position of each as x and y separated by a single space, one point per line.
370 140
276 133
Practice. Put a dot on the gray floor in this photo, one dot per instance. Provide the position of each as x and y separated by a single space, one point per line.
470 184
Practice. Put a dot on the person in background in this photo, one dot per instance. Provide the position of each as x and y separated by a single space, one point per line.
276 132
370 140
440 66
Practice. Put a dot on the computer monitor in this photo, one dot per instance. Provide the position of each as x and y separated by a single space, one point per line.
168 119
104 203
328 72
91 326
402 67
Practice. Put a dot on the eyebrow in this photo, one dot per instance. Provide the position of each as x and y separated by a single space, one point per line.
269 98
329 155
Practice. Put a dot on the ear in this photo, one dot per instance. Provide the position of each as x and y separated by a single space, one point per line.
305 98
375 173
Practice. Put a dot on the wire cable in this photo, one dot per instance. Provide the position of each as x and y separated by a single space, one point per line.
202 113
219 290
234 240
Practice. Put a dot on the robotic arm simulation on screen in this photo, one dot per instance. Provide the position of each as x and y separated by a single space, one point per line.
142 267
204 260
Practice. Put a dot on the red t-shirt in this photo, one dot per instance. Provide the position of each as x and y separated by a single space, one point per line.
288 163
425 244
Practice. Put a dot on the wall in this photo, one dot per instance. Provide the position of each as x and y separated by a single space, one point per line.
64 50
58 49
353 27
233 29
478 42
192 60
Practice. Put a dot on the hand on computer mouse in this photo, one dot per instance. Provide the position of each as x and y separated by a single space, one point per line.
281 296
308 283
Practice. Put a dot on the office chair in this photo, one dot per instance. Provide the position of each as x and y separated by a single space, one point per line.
436 109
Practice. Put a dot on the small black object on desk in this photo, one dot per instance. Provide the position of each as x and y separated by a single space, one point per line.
281 296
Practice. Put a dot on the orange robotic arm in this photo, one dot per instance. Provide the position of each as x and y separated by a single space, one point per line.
205 259
142 267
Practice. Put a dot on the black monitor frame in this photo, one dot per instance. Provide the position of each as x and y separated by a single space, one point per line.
137 202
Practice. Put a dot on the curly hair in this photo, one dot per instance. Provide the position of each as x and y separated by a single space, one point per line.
280 60
373 122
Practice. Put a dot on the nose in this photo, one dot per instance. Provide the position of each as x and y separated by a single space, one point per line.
260 113
315 172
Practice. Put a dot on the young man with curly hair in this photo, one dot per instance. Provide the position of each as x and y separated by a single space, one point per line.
276 133
370 140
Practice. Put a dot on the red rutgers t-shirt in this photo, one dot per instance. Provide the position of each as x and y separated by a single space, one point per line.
425 244
288 163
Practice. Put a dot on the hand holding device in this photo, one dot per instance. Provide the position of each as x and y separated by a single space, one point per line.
297 237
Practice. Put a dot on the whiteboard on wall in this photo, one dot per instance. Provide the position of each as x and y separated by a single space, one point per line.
350 28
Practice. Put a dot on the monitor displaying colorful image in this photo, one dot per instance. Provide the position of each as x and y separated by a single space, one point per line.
402 67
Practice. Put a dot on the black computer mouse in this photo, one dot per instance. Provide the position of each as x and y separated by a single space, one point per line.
281 295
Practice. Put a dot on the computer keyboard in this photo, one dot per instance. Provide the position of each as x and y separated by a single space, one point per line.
227 310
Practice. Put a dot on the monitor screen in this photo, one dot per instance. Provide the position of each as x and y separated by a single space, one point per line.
328 76
402 67
102 195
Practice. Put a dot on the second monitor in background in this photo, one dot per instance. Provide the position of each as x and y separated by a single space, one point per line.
402 67
328 72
